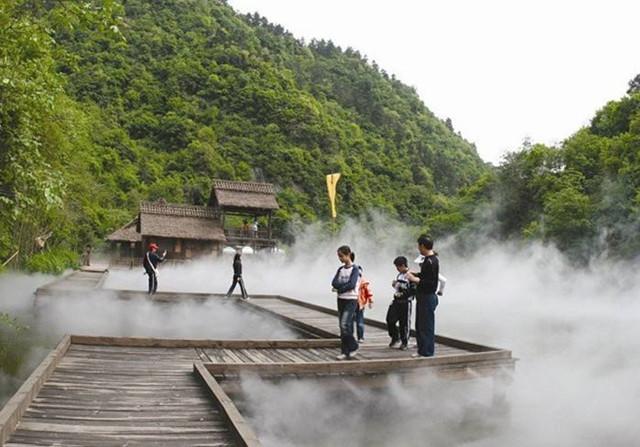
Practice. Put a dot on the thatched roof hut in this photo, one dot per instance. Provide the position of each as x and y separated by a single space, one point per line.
179 221
243 197
128 233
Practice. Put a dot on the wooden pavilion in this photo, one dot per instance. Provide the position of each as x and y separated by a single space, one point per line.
185 231
126 244
250 201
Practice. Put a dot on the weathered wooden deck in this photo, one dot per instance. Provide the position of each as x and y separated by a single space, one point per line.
98 391
87 278
122 394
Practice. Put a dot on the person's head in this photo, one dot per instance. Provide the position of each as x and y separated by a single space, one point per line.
401 263
345 255
153 247
425 244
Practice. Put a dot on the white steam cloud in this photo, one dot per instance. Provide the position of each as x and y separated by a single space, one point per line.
576 332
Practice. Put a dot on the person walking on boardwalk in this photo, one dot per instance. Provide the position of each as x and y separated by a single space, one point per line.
400 308
237 277
426 297
150 264
345 284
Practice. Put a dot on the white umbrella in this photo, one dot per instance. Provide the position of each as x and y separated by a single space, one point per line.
246 250
229 250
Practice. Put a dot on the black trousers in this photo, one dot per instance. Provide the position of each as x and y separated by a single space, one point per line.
237 279
399 312
153 282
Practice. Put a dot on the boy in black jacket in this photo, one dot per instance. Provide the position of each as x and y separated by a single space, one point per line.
400 308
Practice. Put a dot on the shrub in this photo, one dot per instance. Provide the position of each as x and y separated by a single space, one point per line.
53 261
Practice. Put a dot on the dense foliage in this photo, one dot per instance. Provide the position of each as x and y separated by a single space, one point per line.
104 104
584 196
188 90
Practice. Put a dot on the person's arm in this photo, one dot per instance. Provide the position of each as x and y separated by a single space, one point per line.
336 281
442 281
413 277
352 283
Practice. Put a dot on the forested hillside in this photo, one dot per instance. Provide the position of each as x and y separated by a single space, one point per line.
165 95
106 103
584 196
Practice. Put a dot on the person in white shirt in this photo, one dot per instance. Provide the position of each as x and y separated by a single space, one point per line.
345 283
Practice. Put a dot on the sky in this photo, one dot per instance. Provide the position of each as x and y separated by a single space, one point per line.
503 71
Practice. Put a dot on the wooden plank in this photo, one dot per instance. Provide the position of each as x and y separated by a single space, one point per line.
407 378
355 366
461 344
18 404
292 321
147 342
244 434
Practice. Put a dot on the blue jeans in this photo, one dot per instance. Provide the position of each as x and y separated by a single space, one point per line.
426 323
360 322
346 313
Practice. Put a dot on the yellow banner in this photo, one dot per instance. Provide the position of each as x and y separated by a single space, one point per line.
332 181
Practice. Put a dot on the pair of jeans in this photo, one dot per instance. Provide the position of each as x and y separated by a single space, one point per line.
360 322
399 312
153 282
346 314
237 279
426 323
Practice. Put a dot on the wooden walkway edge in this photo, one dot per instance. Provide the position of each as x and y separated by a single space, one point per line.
16 407
243 432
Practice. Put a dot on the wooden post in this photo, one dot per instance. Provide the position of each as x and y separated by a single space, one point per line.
12 256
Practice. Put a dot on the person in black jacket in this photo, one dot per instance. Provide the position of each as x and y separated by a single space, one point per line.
426 297
237 277
400 308
150 264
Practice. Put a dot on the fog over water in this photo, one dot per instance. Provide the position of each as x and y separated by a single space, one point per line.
575 331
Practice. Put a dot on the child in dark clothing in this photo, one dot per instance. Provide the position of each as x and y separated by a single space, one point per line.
400 308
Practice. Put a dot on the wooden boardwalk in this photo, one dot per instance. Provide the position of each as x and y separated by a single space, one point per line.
126 394
87 278
99 391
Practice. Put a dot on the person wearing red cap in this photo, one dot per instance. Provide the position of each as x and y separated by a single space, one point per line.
150 263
